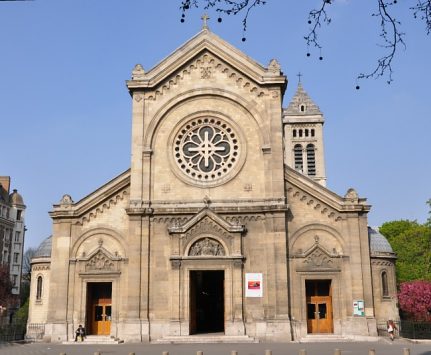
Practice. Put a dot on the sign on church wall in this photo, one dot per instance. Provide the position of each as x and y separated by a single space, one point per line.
253 285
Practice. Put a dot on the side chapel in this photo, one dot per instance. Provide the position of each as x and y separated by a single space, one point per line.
222 224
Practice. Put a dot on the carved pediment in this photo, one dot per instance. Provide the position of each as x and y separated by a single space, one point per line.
206 221
100 260
317 258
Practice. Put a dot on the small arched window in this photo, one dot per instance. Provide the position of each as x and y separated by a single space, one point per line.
39 288
294 133
306 132
300 132
311 160
302 108
312 132
385 288
297 151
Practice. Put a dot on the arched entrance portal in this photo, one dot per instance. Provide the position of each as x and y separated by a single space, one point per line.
206 301
99 308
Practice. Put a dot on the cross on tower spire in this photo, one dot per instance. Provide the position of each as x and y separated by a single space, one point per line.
299 77
205 18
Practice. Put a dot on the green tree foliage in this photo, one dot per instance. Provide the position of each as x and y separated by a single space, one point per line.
21 314
6 296
411 242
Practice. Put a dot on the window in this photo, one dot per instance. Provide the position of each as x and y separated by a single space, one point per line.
297 152
300 132
17 236
18 215
312 132
15 257
294 133
39 288
385 288
306 132
311 160
302 108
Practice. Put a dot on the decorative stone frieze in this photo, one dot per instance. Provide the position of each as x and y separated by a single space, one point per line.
208 65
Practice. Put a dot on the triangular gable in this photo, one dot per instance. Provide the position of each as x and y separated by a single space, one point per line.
317 196
100 199
205 40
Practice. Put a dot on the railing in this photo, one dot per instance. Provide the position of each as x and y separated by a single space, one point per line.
12 332
415 329
35 331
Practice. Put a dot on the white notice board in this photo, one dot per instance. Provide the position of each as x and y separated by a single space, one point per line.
253 285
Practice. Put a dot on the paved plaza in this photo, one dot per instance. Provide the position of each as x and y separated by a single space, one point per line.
382 347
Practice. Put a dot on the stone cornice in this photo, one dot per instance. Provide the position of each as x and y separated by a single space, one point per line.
246 206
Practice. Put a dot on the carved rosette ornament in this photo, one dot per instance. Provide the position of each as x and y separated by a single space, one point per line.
207 247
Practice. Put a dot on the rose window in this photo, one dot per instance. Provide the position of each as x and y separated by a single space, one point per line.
206 149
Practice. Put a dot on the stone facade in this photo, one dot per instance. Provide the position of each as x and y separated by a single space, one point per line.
12 232
213 229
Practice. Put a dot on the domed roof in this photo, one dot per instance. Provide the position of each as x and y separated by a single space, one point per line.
15 198
44 249
379 245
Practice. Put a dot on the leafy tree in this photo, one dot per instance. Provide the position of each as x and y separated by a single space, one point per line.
411 242
428 222
415 300
21 314
6 285
391 36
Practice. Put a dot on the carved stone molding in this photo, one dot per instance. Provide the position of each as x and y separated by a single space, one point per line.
381 262
317 258
100 209
99 262
207 246
41 267
208 65
312 203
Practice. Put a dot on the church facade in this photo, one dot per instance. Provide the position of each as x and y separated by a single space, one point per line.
222 224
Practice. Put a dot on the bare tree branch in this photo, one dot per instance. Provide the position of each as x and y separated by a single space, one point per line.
224 7
315 18
423 10
390 33
392 38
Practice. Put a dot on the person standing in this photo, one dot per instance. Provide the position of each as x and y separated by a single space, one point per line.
391 328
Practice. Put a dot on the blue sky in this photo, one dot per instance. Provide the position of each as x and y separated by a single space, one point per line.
65 113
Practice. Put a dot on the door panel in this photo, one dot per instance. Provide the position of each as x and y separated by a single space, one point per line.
101 321
319 306
99 308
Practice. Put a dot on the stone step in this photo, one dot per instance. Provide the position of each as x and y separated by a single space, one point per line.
323 338
205 338
95 339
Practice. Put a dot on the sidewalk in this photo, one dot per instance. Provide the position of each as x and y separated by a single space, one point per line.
381 347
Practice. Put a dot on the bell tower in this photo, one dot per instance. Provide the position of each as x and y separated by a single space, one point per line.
303 134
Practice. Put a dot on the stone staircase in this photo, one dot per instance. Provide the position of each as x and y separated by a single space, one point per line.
205 338
95 339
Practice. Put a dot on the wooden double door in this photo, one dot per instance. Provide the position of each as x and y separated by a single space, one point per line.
319 306
99 308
